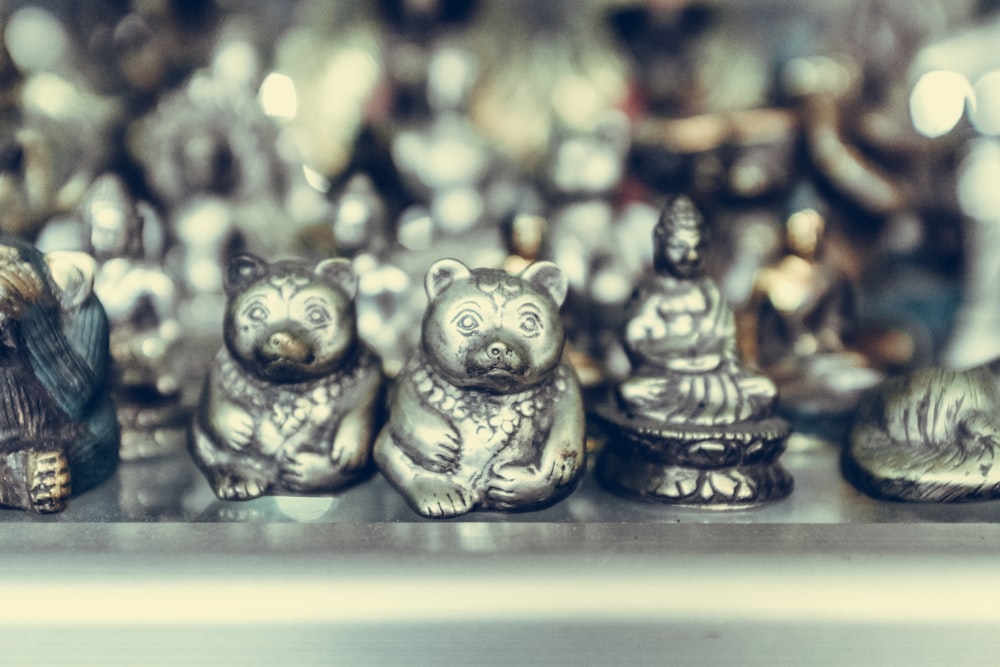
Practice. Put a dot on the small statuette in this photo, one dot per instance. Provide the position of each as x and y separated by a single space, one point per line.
360 219
929 436
692 424
486 414
57 419
291 402
804 322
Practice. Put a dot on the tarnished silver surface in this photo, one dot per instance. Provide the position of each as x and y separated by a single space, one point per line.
692 423
486 414
931 435
291 401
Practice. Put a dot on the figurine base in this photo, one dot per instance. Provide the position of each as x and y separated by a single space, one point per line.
730 466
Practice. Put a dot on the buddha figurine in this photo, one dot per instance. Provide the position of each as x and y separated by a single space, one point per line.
692 423
681 338
804 321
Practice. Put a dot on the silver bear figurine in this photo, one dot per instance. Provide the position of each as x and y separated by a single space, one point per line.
486 414
291 402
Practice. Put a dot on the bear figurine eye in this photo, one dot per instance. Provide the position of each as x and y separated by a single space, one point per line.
531 324
256 312
317 316
467 321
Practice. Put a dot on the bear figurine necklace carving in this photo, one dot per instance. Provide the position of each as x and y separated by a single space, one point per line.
487 415
291 402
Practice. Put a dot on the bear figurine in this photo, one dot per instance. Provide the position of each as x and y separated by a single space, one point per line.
486 415
291 402
58 431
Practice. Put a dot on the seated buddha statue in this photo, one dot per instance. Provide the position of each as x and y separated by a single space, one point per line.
692 424
680 336
805 306
805 319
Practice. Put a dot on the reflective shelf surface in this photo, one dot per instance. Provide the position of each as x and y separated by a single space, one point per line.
152 565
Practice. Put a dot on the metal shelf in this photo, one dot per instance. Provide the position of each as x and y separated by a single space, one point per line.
151 564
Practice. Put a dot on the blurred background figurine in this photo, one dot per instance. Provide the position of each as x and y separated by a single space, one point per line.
804 317
57 132
127 239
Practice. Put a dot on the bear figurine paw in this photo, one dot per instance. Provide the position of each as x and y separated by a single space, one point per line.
235 425
303 472
438 497
512 486
48 481
234 487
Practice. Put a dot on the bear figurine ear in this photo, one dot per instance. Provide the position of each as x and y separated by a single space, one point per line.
549 278
73 273
340 273
443 273
243 270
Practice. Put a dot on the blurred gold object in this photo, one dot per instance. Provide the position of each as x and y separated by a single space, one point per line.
802 313
544 64
333 61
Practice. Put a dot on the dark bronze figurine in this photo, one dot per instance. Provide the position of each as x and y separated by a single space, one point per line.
692 424
486 415
291 402
58 430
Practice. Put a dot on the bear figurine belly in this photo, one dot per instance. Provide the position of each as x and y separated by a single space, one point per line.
291 401
486 415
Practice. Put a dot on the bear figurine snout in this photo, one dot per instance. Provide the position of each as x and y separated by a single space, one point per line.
499 356
286 346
